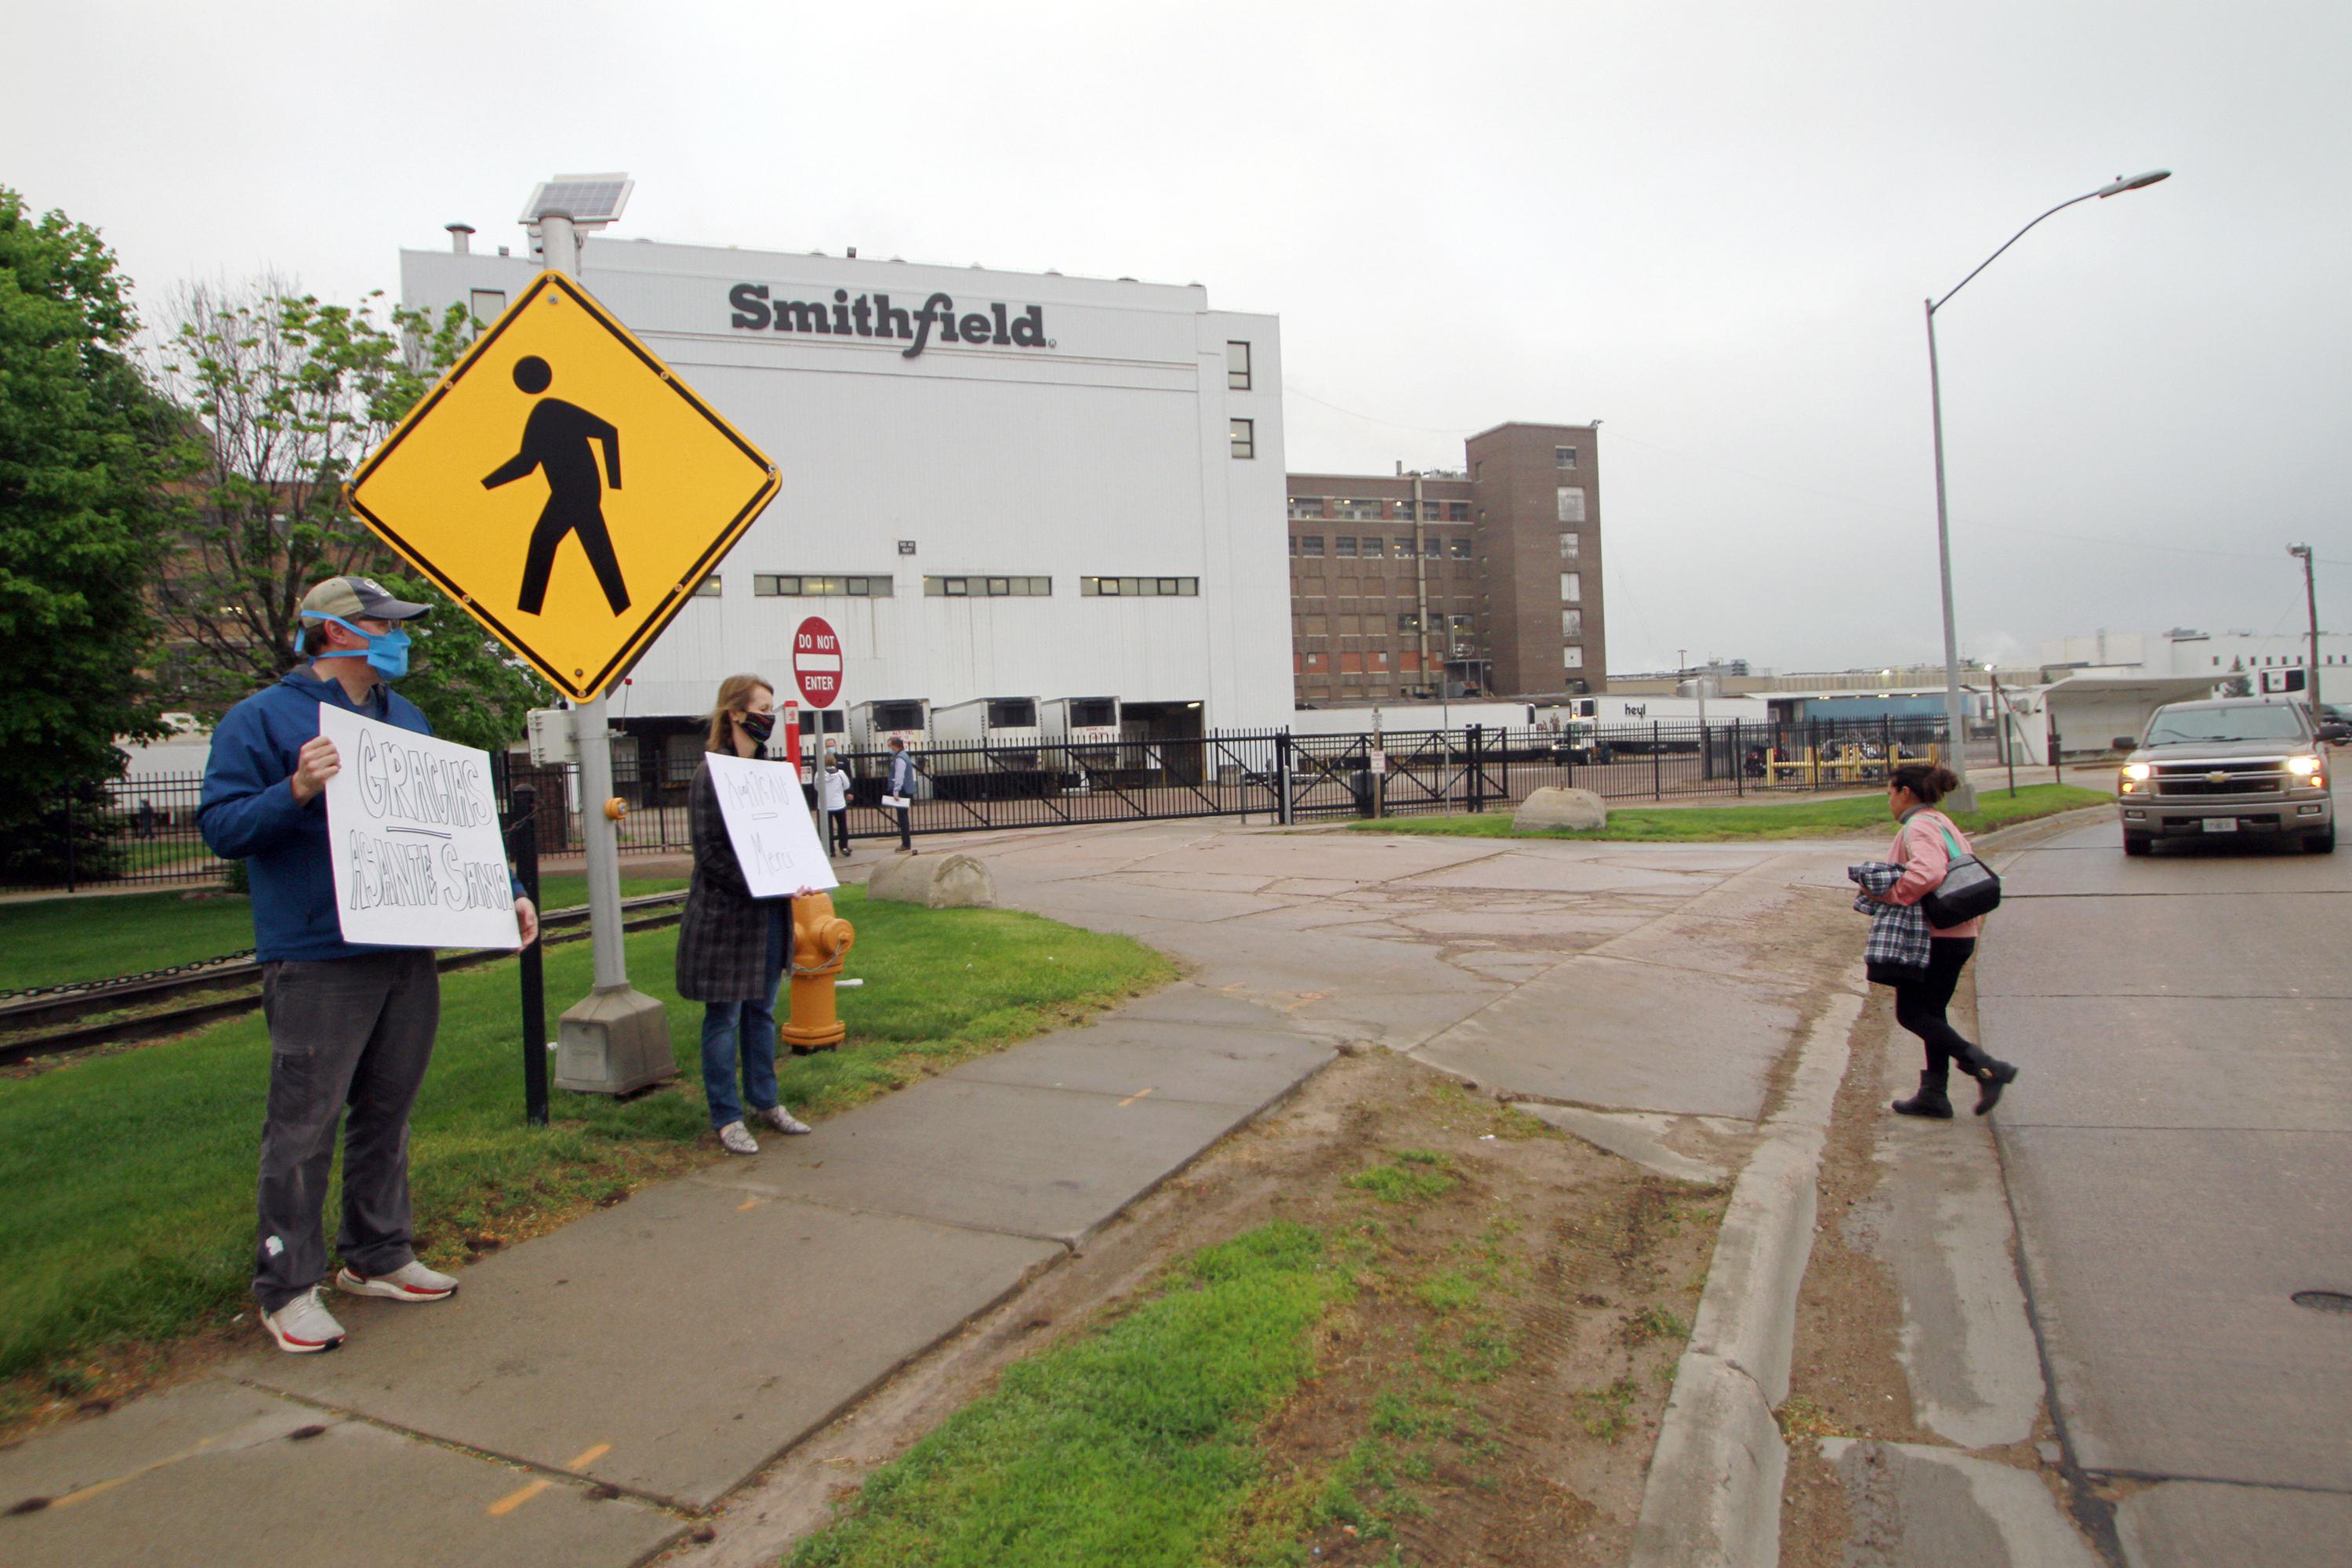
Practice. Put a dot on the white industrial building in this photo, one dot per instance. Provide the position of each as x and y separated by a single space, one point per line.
994 484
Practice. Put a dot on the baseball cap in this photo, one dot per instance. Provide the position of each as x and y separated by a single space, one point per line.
359 598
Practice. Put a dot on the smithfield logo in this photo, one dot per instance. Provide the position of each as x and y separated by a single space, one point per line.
876 317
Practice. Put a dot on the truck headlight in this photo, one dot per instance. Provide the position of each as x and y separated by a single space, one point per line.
2303 768
2140 772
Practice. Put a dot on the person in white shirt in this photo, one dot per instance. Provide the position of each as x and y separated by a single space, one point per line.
836 804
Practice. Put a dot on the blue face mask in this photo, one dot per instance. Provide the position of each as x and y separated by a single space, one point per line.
387 652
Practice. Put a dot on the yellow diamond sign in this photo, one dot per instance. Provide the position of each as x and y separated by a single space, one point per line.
565 486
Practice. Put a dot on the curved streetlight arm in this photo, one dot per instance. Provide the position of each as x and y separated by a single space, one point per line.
2113 187
2013 238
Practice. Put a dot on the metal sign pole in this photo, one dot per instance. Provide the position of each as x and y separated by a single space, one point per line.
615 1040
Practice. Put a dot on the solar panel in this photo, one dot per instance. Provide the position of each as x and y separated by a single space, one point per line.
583 198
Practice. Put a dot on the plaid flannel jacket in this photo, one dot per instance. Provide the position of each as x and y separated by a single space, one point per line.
1898 933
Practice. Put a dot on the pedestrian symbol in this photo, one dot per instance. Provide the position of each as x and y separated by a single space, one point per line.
505 486
560 440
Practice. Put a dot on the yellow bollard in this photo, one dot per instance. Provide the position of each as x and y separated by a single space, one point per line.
820 939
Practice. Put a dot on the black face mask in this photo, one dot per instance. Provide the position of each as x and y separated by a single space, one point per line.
759 726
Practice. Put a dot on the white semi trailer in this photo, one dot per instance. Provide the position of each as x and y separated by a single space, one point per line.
1007 726
1085 729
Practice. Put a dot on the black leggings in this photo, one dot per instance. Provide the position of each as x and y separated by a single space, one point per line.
1920 1004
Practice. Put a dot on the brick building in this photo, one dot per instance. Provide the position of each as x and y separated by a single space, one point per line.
1487 576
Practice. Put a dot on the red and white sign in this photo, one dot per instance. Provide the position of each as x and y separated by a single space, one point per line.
816 662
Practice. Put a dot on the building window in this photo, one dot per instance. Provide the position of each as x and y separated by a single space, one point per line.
1244 436
1344 547
1458 548
1294 544
486 306
1310 545
1306 506
1457 625
1370 548
1571 623
787 585
988 587
1431 546
1431 510
1572 657
1409 622
1563 457
1571 504
1139 587
708 588
1478 470
1571 587
1572 545
1404 548
1457 511
1237 367
1361 511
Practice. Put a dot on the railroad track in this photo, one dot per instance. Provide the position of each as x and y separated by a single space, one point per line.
45 1026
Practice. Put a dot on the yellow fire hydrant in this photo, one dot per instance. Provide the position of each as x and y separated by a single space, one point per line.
821 940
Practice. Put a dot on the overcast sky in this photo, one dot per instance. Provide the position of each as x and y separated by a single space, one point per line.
1710 225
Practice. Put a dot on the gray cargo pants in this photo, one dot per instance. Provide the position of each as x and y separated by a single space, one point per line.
352 1032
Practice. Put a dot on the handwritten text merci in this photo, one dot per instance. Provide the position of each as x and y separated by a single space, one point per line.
765 795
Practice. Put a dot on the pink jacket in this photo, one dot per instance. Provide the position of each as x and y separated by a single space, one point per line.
1919 849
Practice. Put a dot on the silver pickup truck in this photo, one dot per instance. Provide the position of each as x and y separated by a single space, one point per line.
2236 765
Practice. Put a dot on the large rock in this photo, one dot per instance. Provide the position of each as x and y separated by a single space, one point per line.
1577 808
935 881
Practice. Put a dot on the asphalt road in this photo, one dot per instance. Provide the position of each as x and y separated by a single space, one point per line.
2178 1154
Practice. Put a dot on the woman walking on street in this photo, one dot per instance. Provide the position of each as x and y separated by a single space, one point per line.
731 946
1924 847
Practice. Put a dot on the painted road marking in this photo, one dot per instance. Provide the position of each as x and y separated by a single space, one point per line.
523 1494
98 1488
515 1498
1131 1099
748 1204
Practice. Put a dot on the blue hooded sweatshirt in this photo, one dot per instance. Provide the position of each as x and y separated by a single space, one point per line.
250 813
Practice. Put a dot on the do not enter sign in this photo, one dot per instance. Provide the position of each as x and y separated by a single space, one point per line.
816 662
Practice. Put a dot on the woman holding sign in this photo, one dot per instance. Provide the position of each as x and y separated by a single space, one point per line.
731 946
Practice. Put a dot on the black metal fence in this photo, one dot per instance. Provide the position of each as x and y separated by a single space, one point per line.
143 831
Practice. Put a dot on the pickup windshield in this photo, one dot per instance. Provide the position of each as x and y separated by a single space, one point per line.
2266 721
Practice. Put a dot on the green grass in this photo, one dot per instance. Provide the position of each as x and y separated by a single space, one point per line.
129 1176
1132 1445
1416 1176
48 942
1996 807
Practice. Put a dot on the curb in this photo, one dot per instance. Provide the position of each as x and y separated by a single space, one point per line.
1713 1495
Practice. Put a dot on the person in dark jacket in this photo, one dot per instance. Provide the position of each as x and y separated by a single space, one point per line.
350 1026
731 947
901 784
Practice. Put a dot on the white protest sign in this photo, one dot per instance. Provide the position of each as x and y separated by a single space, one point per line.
413 836
768 822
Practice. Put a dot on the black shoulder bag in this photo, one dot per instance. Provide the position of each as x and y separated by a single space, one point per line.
1969 889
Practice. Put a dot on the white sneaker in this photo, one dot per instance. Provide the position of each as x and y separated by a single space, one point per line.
304 1326
737 1139
783 1120
412 1281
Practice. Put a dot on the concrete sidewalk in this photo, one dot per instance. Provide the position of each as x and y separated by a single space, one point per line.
589 1397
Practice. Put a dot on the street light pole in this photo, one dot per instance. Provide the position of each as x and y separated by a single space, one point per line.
2311 608
1964 798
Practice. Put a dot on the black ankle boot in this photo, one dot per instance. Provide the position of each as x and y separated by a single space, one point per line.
1992 1076
1931 1099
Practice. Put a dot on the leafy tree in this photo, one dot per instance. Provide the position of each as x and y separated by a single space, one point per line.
83 450
291 394
2237 684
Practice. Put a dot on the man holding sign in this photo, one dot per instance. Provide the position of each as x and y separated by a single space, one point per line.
351 1023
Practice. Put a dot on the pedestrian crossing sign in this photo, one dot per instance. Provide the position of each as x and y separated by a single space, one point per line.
565 487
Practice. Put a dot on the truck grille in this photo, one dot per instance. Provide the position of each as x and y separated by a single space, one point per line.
2259 776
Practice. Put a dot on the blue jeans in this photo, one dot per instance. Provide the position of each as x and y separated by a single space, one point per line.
747 1029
